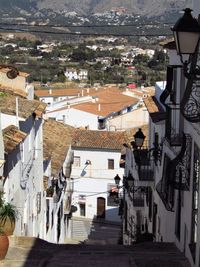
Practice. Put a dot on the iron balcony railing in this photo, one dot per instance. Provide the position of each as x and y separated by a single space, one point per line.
144 164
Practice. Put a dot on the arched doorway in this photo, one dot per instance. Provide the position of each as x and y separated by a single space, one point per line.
101 207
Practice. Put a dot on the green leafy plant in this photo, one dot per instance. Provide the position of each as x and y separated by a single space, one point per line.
8 211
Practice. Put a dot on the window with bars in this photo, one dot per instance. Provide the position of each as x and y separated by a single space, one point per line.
174 118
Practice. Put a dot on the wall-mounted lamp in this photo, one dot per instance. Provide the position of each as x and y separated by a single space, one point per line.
88 162
141 155
128 182
187 35
139 138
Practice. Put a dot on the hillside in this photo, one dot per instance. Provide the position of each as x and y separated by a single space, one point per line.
41 8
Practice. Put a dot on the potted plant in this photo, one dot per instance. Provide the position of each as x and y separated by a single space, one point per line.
4 243
8 216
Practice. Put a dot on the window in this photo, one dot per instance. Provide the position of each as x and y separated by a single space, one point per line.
77 161
111 164
164 187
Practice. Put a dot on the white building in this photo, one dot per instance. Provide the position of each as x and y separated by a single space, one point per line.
93 111
171 212
96 163
23 170
58 159
73 74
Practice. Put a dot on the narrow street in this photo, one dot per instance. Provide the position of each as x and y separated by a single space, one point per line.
30 252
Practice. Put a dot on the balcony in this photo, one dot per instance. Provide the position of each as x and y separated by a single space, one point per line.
144 164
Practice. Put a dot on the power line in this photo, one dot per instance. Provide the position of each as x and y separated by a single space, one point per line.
86 26
89 34
54 29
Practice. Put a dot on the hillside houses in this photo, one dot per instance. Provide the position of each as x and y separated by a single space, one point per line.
95 110
73 74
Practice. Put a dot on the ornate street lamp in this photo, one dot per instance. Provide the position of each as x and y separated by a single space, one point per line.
187 36
139 138
186 33
130 181
117 180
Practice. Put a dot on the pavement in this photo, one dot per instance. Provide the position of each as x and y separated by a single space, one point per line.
34 252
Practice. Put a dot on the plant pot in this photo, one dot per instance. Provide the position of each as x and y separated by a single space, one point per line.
4 244
7 226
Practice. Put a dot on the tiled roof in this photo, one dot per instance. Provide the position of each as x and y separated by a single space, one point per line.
108 101
57 92
155 110
56 141
170 44
12 137
98 139
71 91
25 107
13 91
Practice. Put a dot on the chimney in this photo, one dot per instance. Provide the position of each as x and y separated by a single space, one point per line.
64 119
99 107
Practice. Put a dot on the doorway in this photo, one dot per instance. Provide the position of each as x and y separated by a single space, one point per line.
101 207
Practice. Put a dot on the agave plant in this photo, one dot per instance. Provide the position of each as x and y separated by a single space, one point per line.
8 211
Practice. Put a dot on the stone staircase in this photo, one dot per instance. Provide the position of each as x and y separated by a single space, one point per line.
91 232
33 252
80 229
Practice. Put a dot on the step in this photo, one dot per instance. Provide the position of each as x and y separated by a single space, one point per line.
44 254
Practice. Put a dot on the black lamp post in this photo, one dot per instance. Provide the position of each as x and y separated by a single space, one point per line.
186 33
139 138
117 180
187 36
130 181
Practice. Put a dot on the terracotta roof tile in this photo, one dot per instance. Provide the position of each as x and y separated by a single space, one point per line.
12 137
108 101
57 92
98 139
17 92
25 107
155 110
56 141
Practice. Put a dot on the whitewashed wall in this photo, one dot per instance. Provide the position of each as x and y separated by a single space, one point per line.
93 180
75 118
